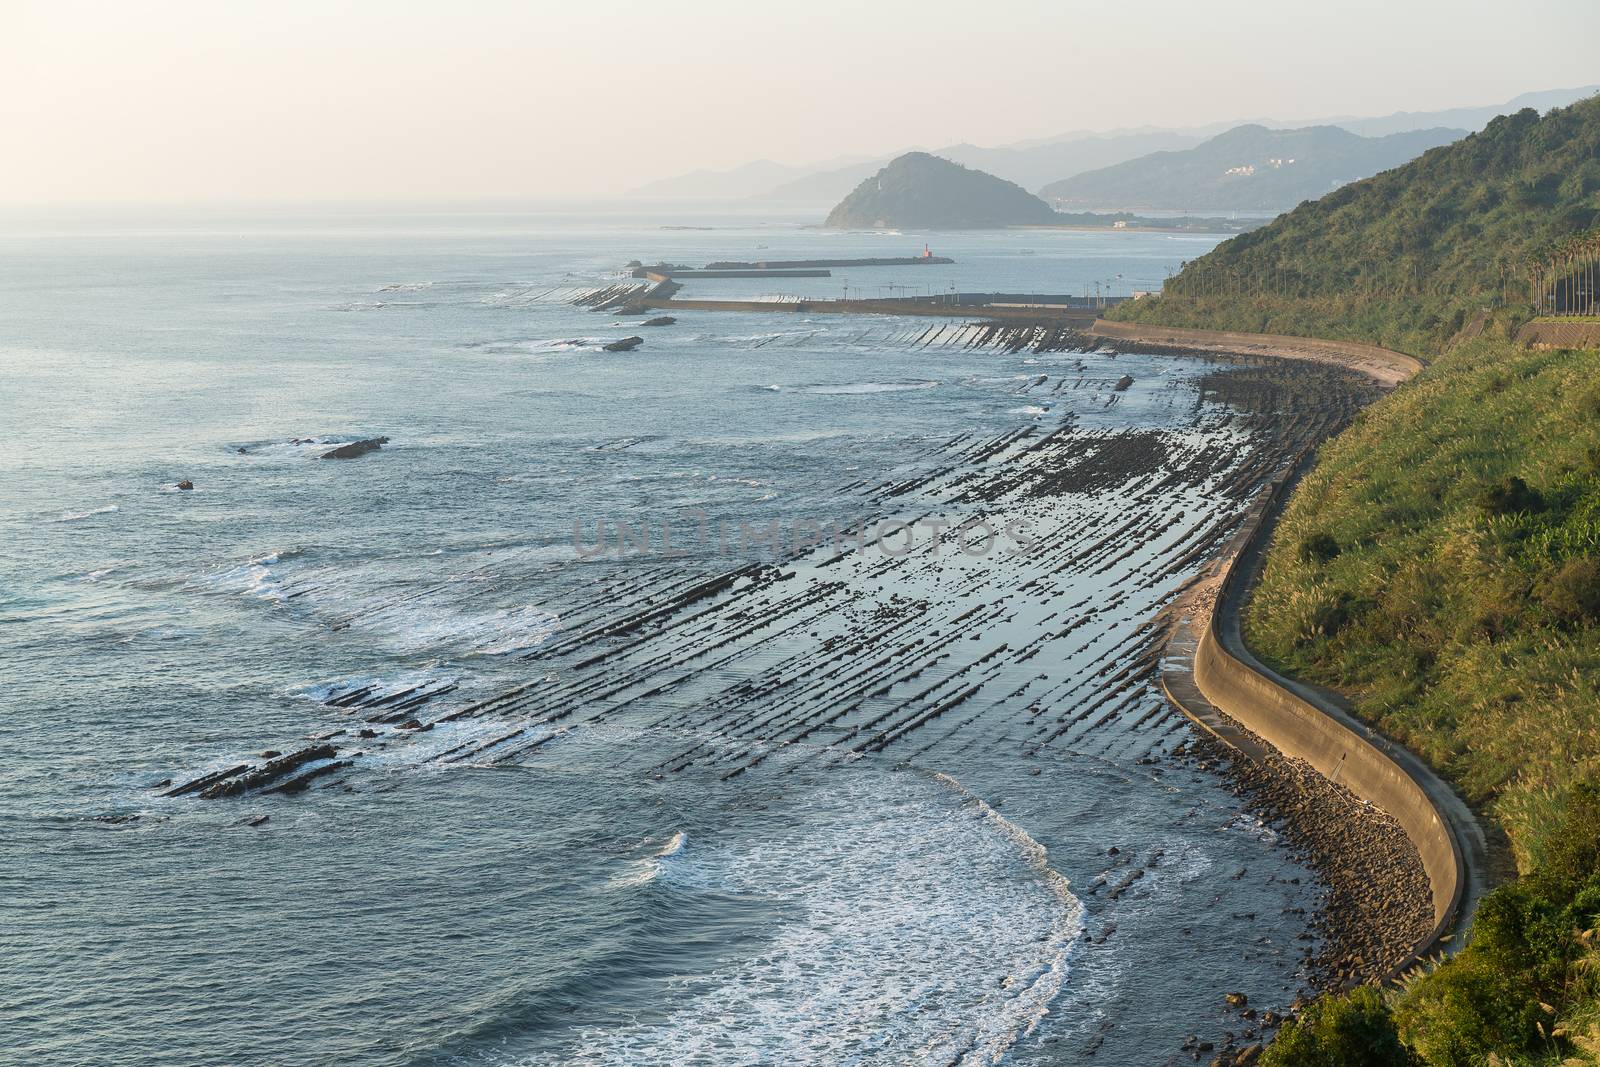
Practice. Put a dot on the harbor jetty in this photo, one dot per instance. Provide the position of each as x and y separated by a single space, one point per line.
667 280
781 268
924 260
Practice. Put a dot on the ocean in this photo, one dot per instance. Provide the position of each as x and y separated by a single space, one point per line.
779 691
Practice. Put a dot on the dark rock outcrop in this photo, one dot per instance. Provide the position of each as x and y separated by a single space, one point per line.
356 449
660 320
627 344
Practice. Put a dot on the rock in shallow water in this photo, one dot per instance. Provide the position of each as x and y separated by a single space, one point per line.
356 448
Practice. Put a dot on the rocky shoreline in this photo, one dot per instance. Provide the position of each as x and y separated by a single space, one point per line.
1377 905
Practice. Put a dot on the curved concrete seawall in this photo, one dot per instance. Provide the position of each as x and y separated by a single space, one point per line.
1380 364
1209 670
1308 724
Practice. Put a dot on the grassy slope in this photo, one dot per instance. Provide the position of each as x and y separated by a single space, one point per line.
1441 565
1444 614
1459 608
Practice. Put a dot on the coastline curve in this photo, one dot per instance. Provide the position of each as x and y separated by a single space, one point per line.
1213 678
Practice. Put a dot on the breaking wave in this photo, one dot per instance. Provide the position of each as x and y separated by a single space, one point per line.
928 929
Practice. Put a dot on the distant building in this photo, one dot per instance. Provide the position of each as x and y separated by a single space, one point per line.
1120 224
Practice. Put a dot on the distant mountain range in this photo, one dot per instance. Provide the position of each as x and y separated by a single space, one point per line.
752 180
1028 167
1250 168
922 191
1037 163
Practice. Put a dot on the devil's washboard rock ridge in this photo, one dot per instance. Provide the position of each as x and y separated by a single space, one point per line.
923 191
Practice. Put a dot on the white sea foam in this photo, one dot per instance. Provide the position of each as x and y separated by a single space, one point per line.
258 577
421 624
463 743
296 448
854 388
673 846
928 929
646 870
75 516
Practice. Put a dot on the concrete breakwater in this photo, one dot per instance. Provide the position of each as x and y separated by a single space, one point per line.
732 272
780 268
1010 307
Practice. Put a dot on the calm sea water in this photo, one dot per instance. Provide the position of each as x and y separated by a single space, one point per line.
681 841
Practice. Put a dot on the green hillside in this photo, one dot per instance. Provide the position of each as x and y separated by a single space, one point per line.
1440 565
921 191
1406 257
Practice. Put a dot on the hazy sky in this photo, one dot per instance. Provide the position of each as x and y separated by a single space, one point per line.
286 100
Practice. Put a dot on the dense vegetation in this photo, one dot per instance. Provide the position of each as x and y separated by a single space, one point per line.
1248 168
923 191
1105 220
1525 990
1441 566
1441 563
1407 257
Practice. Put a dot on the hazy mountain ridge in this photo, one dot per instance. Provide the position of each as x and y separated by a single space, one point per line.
1247 168
1028 167
1037 162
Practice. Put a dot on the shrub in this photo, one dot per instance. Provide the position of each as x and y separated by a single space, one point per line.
1572 594
1354 1029
1509 496
1331 616
1318 548
1504 992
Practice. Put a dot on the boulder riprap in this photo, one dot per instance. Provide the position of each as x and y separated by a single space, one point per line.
627 344
356 448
